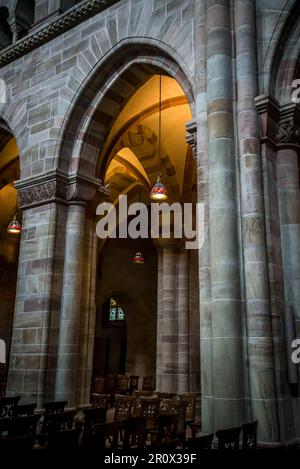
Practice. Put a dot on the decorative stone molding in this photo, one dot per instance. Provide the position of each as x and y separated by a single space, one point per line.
59 25
289 124
191 136
278 124
57 187
288 133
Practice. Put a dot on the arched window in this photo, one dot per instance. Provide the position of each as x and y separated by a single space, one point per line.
116 313
5 32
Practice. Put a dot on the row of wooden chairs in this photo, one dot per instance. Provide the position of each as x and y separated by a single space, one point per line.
227 439
120 384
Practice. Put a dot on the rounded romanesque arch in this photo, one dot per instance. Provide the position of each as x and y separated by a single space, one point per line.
286 63
104 94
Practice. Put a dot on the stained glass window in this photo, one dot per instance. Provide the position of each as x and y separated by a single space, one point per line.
116 313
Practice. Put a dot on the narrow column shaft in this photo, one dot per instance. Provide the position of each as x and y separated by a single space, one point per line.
183 320
227 357
168 379
258 311
71 304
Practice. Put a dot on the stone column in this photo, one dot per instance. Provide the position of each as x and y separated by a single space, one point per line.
289 209
167 326
258 309
183 320
226 318
159 319
34 336
87 313
71 305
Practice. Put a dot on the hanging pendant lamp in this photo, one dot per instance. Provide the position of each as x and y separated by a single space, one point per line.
14 227
159 191
138 258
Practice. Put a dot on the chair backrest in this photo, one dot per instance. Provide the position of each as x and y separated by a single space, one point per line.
24 410
58 422
190 399
105 436
109 385
149 407
179 408
147 383
66 439
164 401
250 435
122 383
229 438
54 407
94 416
167 428
100 400
201 442
7 405
135 433
24 425
133 383
123 406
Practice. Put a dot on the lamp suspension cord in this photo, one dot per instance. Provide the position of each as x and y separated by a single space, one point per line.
159 126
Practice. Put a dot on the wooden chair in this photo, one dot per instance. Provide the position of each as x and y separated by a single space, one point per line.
24 410
100 400
24 425
123 408
58 422
54 407
202 442
147 383
190 399
109 385
149 409
135 433
105 436
178 407
250 435
229 439
7 405
122 384
167 428
63 440
163 401
93 416
136 410
133 383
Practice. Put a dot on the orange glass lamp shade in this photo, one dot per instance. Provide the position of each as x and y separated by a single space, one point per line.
14 227
159 190
138 258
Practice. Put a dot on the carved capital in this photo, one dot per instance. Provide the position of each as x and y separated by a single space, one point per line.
191 136
289 125
56 187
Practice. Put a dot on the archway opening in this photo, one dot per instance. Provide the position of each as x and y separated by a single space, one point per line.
9 242
128 163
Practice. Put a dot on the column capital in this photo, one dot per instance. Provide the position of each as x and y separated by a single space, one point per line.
289 125
191 136
55 186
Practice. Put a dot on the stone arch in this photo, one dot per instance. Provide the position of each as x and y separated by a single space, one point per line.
286 66
123 70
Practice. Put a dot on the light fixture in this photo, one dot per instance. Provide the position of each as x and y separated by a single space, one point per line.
14 227
159 190
138 258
